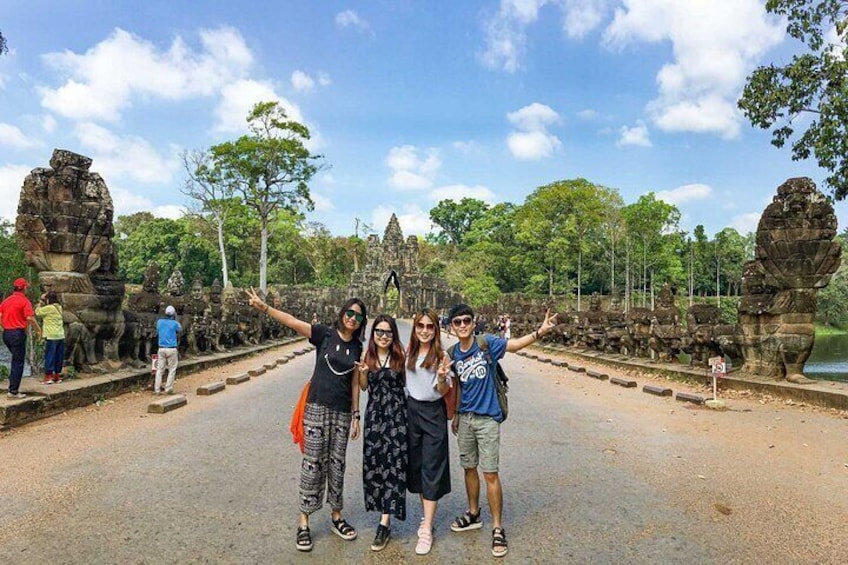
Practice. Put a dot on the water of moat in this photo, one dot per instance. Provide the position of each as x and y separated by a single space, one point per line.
828 362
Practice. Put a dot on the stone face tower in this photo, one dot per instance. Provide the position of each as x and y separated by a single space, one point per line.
64 226
393 263
795 257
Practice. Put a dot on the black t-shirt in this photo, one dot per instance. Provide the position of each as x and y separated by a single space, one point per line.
334 364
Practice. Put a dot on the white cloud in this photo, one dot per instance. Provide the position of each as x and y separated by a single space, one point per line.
324 79
533 142
350 19
129 156
302 81
459 191
127 202
468 147
506 31
411 171
322 202
745 223
171 211
637 136
685 193
239 98
11 180
12 136
413 220
48 123
588 114
715 43
104 81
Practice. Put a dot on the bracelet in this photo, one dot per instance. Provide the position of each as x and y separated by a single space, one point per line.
266 309
356 415
536 334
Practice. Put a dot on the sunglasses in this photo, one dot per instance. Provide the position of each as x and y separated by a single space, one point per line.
383 333
355 315
464 321
423 326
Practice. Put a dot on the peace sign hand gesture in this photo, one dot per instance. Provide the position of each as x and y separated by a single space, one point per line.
548 324
444 367
254 301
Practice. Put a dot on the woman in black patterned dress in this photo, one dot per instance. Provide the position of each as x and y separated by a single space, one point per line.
384 440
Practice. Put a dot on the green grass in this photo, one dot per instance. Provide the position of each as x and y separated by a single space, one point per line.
828 330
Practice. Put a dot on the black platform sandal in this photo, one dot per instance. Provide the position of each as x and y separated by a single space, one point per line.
467 521
344 530
304 539
499 545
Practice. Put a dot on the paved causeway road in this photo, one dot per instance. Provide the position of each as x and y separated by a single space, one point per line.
593 473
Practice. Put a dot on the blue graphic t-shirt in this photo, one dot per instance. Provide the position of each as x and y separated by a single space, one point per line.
477 378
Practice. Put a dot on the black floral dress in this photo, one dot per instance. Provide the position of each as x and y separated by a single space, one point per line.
384 457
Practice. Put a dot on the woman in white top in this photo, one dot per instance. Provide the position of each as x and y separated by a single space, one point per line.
427 382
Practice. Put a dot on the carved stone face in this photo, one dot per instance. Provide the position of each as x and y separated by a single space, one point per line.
176 284
595 302
151 277
197 290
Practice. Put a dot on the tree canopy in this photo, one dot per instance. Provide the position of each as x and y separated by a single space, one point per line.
814 82
455 218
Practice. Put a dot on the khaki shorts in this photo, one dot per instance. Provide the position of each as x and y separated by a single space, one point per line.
479 441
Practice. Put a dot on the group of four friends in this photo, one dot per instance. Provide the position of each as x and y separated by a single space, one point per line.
405 440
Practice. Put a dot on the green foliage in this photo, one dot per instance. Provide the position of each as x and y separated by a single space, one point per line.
456 218
174 244
4 372
12 263
4 48
271 168
832 300
813 82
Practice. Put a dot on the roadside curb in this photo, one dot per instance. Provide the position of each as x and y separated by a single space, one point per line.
826 394
76 393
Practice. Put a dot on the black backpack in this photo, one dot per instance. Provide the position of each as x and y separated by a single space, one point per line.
501 380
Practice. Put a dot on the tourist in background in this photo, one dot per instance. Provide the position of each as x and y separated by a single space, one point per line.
331 413
384 450
427 383
478 422
15 314
50 311
168 329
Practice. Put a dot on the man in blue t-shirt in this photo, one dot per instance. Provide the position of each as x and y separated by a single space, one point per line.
478 420
168 329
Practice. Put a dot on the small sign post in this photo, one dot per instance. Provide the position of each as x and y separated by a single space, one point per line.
719 368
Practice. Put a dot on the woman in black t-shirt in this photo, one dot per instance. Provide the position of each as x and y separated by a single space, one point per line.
332 411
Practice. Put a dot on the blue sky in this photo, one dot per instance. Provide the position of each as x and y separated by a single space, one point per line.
409 101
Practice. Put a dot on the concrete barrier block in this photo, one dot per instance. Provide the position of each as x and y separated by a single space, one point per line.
597 374
282 361
269 366
657 390
545 360
623 382
238 379
576 368
256 372
556 363
167 404
686 397
211 388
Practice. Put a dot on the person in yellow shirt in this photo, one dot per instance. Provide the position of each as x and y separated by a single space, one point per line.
54 334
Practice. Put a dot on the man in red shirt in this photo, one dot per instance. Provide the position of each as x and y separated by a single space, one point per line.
15 313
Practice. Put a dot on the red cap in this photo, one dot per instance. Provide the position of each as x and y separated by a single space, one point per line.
20 283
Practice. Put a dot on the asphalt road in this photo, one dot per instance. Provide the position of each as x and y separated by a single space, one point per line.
217 483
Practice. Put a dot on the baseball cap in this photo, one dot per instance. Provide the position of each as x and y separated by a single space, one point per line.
20 283
170 311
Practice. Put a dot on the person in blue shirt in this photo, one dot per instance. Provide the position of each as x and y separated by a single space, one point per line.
168 329
477 423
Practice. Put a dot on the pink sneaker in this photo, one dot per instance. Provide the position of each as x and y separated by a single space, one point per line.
425 541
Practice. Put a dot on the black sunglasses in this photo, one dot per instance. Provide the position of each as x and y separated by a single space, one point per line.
464 321
355 315
383 333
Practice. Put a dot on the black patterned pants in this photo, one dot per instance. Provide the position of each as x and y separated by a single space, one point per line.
326 432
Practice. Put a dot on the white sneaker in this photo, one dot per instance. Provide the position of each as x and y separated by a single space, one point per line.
18 395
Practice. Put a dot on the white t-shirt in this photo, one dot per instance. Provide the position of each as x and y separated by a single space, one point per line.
421 383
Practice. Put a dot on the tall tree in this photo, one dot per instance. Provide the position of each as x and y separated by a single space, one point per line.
814 82
214 197
4 48
271 168
652 229
456 218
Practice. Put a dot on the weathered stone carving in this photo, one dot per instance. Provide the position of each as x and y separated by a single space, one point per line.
64 225
393 263
667 335
795 257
